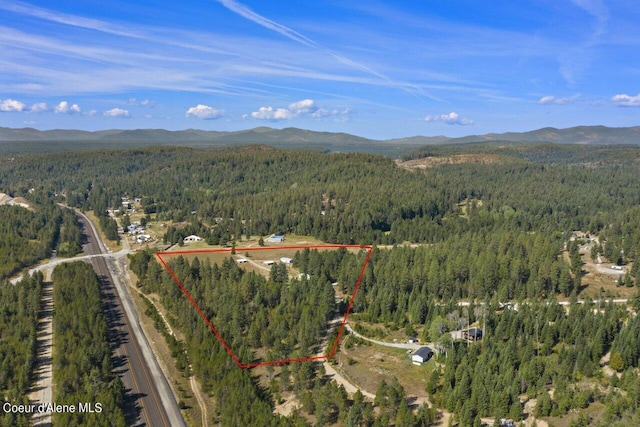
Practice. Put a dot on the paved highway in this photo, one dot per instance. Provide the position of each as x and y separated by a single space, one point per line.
149 399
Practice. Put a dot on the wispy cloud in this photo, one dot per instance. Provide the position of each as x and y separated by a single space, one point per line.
143 103
576 59
452 118
204 112
114 57
624 100
597 9
552 100
251 15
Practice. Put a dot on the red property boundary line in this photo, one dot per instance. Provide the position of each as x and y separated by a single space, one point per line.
213 329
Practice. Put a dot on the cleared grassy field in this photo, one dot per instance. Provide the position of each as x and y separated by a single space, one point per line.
373 363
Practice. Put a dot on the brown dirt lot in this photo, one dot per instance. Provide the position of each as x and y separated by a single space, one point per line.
597 278
430 162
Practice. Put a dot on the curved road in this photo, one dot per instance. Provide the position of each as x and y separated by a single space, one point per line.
403 345
149 400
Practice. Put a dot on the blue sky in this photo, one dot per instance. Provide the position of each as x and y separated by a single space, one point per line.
380 69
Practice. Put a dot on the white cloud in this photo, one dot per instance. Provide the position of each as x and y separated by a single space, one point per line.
64 107
204 112
8 105
39 107
452 118
306 107
117 112
624 100
303 107
91 113
549 100
269 113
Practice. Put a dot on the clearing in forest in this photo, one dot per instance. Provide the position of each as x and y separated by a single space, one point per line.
244 293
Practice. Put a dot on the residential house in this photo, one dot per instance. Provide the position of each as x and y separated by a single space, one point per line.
473 334
143 238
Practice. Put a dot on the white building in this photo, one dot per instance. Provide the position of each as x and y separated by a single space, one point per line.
421 355
143 238
192 238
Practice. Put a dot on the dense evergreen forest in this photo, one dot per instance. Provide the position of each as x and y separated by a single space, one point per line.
490 229
260 316
29 235
343 198
287 316
533 152
18 320
539 347
82 364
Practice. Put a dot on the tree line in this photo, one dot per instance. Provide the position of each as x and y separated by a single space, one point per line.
19 306
82 364
29 235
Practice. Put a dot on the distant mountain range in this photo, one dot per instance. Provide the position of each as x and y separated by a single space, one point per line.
66 140
295 136
576 135
259 135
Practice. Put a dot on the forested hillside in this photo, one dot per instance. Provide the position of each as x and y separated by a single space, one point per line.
510 227
345 198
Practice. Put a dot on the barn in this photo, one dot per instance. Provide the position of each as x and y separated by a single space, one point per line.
421 355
